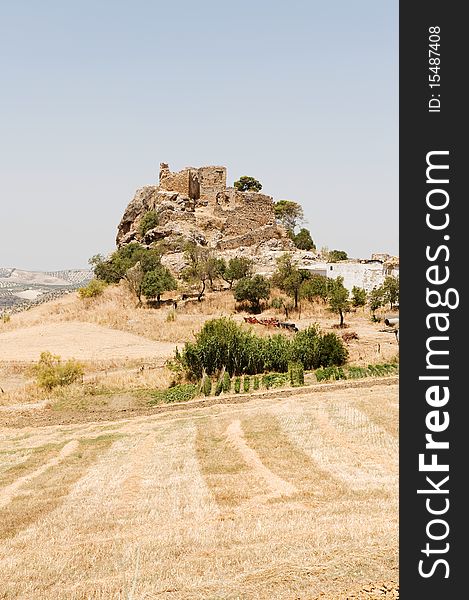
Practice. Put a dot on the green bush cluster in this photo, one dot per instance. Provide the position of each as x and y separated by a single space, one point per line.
51 372
274 380
226 382
149 221
206 386
334 373
219 386
237 385
296 373
224 343
177 393
93 289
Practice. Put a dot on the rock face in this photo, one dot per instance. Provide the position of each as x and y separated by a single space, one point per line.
195 204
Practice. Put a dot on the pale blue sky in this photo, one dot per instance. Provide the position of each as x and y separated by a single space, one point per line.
303 95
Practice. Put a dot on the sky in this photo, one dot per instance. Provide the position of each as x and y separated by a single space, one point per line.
302 95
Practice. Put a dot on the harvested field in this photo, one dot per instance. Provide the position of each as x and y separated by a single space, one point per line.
83 341
290 495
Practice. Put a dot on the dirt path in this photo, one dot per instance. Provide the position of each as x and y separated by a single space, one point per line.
8 493
47 417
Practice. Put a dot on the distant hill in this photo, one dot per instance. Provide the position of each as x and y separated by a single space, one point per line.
20 288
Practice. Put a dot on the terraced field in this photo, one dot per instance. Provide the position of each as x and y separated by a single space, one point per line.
277 498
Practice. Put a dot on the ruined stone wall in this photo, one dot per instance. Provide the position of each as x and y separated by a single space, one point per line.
244 211
251 237
197 200
185 182
212 181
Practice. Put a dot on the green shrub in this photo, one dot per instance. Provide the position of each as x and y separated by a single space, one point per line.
149 221
178 393
206 385
274 380
93 289
226 382
252 290
219 386
277 353
223 343
353 372
51 372
246 383
256 383
332 351
296 374
358 296
326 373
237 385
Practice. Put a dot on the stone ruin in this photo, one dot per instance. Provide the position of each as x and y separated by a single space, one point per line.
196 205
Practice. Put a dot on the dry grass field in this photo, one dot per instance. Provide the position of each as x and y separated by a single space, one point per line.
283 498
286 495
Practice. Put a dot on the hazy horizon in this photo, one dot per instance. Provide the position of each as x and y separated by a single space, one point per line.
302 95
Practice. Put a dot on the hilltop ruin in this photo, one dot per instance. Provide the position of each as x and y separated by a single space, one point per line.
195 204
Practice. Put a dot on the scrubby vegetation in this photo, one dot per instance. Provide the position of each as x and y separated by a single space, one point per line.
149 221
140 267
94 288
222 343
252 290
337 255
51 372
354 372
177 393
235 269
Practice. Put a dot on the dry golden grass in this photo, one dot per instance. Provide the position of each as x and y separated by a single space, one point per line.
116 309
193 505
48 487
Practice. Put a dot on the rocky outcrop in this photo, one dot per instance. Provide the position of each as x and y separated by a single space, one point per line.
195 204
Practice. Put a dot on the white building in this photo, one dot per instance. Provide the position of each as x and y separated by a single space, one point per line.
363 274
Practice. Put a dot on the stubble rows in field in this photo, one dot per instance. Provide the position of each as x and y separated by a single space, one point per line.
280 498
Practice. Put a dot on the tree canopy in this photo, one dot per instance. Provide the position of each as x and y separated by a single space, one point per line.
358 296
316 287
133 263
289 214
288 277
237 268
391 290
252 289
303 240
375 300
338 298
157 281
202 266
336 255
248 184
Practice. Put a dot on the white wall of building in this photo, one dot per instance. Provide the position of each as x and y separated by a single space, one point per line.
362 275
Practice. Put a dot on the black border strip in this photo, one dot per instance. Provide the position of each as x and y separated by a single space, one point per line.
423 411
